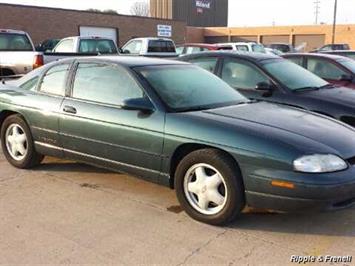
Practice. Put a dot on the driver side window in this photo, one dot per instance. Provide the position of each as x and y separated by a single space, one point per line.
241 74
324 69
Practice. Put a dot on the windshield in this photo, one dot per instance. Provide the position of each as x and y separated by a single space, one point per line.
292 75
187 87
348 63
258 48
14 42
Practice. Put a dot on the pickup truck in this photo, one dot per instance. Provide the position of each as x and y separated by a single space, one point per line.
17 54
81 46
150 47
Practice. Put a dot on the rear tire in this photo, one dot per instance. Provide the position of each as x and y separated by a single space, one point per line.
209 187
17 143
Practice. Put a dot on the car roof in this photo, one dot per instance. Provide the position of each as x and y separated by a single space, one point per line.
339 51
200 44
129 61
12 31
151 39
320 55
236 43
238 54
87 38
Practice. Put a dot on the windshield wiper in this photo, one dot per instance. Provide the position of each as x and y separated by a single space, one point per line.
310 88
328 86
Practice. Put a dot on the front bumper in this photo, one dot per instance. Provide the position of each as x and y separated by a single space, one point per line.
321 192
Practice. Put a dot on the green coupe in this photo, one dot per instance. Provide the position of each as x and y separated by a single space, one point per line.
178 125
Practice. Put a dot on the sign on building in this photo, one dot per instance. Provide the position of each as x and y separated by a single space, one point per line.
165 31
203 4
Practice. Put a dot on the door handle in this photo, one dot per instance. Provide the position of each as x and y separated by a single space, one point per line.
69 109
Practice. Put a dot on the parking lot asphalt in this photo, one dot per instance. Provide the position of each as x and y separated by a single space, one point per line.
69 213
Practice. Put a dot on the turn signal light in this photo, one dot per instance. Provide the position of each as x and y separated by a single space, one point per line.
38 61
283 184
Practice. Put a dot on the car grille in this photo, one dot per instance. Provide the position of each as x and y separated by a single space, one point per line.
351 161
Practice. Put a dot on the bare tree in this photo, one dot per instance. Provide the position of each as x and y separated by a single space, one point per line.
140 9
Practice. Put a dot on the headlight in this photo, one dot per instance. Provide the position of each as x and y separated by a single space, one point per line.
319 163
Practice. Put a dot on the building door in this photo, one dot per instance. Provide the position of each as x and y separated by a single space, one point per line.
110 33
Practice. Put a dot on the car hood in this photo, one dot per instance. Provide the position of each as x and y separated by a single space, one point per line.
339 95
326 131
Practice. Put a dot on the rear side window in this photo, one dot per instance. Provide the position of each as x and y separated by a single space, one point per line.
161 46
105 84
296 60
15 42
97 46
225 48
208 64
66 46
324 69
53 82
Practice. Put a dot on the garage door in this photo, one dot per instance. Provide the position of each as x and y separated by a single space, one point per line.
268 39
244 38
311 41
216 39
110 33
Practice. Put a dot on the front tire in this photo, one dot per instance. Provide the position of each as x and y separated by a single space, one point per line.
209 187
17 143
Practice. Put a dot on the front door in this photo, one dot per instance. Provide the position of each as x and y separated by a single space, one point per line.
95 128
245 76
327 70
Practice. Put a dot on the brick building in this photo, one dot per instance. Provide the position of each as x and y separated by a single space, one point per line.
47 23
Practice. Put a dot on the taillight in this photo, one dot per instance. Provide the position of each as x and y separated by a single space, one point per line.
38 61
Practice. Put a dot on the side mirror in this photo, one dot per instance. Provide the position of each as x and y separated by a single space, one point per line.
125 51
266 87
138 104
346 77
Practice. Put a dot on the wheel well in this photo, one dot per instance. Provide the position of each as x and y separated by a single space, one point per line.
184 150
6 72
4 115
321 113
350 120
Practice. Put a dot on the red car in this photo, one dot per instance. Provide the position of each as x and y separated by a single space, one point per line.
335 69
192 48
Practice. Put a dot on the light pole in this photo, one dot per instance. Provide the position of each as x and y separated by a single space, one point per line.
335 20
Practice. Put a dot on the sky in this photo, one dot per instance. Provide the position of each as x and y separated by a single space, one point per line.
241 12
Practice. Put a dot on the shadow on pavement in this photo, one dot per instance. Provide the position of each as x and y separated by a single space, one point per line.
339 223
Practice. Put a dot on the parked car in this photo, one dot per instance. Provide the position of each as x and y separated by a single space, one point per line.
146 117
347 53
333 47
273 52
335 69
81 46
47 45
282 47
191 48
17 54
150 47
274 79
242 47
